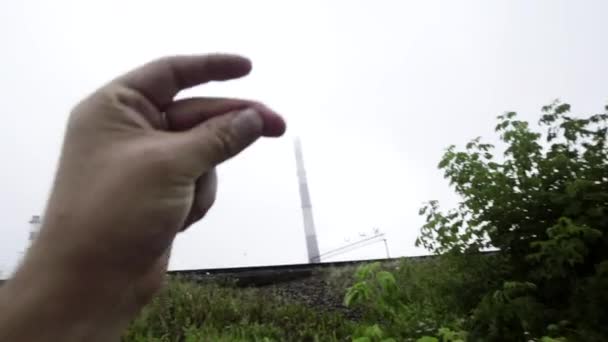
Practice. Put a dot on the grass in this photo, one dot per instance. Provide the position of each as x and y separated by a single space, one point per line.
429 295
186 311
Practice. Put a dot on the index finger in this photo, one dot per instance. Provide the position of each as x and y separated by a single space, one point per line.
160 80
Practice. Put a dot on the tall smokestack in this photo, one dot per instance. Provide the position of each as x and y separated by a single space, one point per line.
309 223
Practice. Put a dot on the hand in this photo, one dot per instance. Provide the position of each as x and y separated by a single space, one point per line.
136 168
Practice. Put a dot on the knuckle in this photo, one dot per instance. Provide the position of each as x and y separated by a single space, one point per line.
205 204
84 114
204 209
98 102
77 119
121 97
225 144
163 61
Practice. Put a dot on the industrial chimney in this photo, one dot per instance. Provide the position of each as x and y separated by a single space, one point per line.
309 224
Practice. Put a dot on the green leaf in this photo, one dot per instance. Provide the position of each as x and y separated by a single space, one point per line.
427 339
374 331
362 339
386 280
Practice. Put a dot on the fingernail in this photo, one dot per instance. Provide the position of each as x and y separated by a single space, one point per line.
248 123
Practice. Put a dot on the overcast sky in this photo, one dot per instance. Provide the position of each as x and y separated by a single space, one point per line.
376 90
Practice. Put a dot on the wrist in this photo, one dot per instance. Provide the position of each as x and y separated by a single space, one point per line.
64 300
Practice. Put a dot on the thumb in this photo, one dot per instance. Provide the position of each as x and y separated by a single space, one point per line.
218 139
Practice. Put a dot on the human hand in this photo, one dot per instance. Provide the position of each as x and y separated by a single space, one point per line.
136 168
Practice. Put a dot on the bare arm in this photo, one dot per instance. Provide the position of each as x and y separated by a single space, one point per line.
136 168
50 301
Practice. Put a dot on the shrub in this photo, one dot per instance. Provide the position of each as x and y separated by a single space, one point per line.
544 206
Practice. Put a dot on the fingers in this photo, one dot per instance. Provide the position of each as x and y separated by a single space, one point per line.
204 197
184 114
187 113
160 80
216 140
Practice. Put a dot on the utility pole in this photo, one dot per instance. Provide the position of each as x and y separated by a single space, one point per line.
388 256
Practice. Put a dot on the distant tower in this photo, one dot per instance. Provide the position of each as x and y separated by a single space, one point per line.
309 224
35 223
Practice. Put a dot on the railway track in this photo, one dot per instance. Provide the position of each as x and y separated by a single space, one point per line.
267 275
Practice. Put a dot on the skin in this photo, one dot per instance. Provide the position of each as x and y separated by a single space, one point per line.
136 168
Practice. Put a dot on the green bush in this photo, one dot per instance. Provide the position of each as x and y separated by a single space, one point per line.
418 298
544 206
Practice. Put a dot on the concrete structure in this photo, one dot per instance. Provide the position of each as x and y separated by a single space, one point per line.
312 245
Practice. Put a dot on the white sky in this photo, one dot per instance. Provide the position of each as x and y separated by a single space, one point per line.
376 89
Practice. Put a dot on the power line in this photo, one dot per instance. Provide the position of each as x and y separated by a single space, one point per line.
350 245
